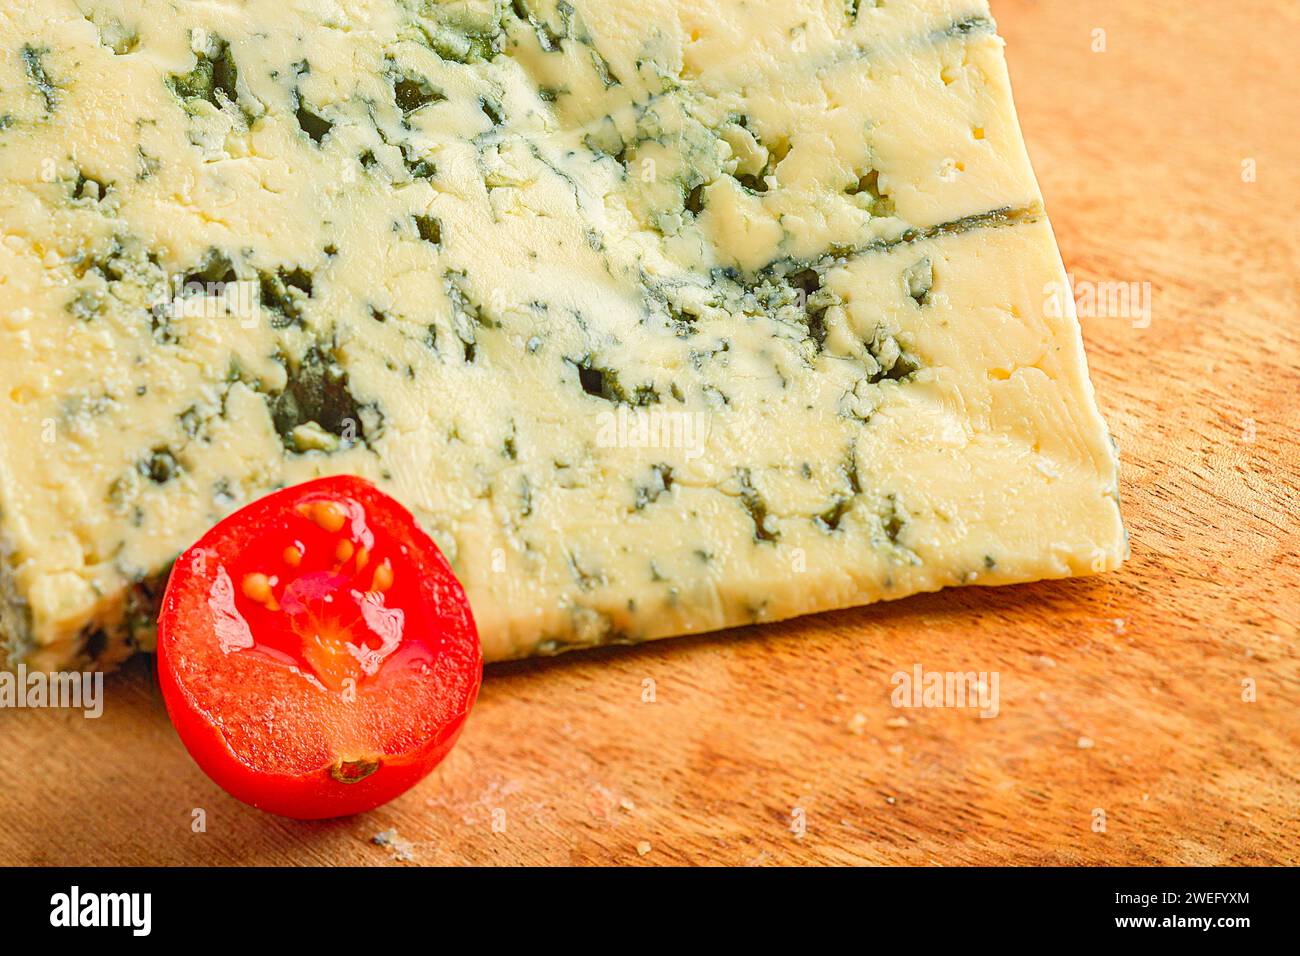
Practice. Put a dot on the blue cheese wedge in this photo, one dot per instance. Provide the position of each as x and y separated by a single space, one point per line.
662 316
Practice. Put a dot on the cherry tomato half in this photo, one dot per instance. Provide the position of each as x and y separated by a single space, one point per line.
316 654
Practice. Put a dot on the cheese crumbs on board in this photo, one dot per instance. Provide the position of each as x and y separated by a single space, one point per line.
662 316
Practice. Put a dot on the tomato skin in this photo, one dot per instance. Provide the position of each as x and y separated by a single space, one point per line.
305 796
269 730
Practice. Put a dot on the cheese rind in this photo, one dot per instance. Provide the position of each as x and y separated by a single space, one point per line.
661 317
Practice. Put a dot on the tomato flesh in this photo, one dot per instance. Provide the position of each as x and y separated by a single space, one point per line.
316 654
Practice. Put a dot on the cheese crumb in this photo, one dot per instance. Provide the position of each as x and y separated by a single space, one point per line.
402 850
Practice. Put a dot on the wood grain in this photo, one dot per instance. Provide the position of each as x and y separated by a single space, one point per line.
1122 694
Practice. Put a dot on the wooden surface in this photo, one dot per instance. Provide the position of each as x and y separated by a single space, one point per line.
1121 694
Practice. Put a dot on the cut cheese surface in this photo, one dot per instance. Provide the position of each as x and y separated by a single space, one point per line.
661 316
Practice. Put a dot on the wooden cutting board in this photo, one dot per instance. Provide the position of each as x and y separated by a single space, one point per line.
1170 158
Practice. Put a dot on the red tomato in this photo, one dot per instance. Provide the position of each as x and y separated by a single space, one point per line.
316 654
